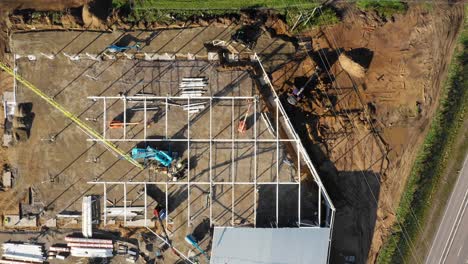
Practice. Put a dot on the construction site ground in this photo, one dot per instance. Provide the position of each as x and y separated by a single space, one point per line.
362 134
58 159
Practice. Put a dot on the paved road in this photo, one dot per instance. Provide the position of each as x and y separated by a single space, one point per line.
451 241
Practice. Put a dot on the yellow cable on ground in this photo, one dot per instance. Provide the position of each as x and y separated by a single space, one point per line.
69 115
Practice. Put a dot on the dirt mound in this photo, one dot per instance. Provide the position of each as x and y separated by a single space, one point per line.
41 5
351 66
90 20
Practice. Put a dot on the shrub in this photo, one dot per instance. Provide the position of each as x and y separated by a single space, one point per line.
322 17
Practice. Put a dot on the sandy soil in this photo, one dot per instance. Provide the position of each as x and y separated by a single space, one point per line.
365 138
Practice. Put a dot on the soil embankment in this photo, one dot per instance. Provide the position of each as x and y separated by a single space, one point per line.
364 133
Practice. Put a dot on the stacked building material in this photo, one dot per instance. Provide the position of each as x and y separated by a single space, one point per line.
193 86
120 212
194 108
22 253
90 247
92 252
58 252
87 219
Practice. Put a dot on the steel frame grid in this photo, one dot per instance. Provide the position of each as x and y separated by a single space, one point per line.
279 112
233 140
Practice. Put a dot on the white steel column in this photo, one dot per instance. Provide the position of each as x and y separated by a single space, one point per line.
104 117
255 164
146 206
211 162
167 205
188 164
299 186
196 140
277 162
135 98
319 205
203 183
232 163
125 118
125 203
166 115
145 123
105 204
15 70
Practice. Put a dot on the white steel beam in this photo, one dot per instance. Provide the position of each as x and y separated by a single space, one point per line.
167 205
104 118
203 140
198 183
211 162
299 186
146 206
295 136
166 119
125 203
255 164
172 98
124 117
277 163
188 165
170 246
105 204
145 121
319 206
233 176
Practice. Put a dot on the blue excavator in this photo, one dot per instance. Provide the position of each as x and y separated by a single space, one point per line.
115 48
150 153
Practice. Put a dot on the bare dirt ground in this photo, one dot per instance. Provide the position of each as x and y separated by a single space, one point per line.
366 132
59 175
364 139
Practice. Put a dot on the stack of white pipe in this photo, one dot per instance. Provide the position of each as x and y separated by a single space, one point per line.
87 240
193 108
59 249
90 247
122 211
193 86
9 261
22 253
58 252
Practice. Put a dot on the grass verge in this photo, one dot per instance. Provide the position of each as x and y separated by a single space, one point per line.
220 4
385 8
165 11
439 147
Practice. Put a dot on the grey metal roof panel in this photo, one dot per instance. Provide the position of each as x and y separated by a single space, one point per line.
270 245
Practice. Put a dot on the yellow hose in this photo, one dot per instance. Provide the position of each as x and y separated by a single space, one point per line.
90 131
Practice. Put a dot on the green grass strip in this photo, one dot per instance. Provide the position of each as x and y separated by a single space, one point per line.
220 4
439 146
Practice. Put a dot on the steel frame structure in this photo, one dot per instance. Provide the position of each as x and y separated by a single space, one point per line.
277 141
281 120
